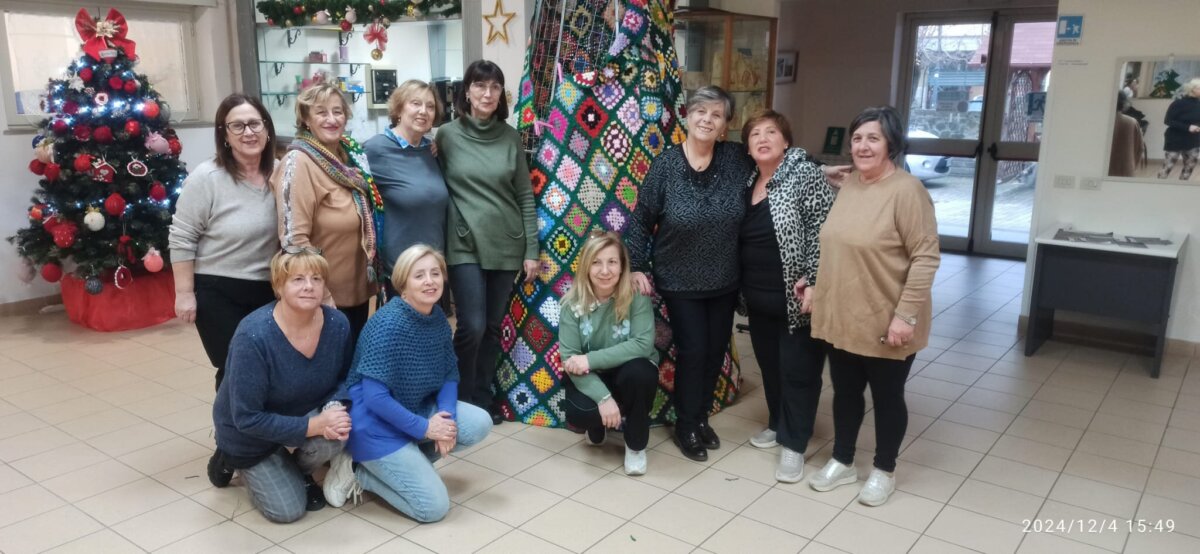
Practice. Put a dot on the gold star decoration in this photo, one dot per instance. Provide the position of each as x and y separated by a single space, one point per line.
498 13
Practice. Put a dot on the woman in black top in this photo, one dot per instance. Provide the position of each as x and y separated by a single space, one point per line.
684 231
787 200
1182 137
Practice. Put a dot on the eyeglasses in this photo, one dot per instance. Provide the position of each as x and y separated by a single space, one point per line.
293 249
486 86
240 127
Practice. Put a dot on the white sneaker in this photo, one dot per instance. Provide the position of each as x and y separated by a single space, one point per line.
764 439
791 466
832 476
879 486
340 483
635 461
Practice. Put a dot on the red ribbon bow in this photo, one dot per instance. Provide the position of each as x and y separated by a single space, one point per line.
376 33
99 35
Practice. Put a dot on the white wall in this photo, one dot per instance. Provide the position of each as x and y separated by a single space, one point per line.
1076 140
216 66
509 56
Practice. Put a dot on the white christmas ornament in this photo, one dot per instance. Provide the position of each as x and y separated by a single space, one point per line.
94 220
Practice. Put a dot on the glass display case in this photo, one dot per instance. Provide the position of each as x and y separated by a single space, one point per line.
732 51
293 58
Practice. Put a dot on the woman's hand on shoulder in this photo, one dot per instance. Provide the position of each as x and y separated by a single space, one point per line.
641 283
836 173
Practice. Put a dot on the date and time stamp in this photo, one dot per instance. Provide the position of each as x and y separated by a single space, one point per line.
1068 526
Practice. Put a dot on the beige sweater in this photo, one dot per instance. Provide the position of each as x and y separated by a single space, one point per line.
879 253
316 211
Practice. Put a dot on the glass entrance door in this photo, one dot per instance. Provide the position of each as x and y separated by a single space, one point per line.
976 86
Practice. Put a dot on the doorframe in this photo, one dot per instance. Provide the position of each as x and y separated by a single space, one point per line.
990 117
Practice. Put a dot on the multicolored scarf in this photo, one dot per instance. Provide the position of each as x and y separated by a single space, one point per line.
355 177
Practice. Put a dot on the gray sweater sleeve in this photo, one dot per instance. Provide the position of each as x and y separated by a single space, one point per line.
193 211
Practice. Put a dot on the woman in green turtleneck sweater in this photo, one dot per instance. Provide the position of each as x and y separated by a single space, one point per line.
491 227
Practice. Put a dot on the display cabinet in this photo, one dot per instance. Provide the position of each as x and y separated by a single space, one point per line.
290 59
733 51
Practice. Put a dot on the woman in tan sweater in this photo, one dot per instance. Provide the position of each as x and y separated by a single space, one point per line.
879 253
327 199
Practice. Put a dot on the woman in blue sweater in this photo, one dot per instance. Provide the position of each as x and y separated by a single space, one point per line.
404 387
283 388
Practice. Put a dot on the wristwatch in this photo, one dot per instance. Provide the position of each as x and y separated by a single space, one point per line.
909 320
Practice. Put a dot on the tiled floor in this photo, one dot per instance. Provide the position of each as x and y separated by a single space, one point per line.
105 437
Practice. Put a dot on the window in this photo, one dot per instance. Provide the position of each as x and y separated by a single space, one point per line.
40 41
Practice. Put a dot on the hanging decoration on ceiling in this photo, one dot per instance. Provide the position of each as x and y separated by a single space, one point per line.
376 34
298 13
498 22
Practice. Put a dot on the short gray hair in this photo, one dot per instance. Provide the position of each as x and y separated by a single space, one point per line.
711 93
1190 87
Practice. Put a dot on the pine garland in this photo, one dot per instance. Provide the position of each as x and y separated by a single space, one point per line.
298 13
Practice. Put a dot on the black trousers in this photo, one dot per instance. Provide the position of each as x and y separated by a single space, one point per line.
480 301
791 365
221 304
633 385
701 328
358 318
851 374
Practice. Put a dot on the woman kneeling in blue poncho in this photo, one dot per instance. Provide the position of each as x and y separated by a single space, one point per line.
404 387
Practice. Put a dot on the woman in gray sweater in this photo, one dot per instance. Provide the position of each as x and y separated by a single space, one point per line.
223 233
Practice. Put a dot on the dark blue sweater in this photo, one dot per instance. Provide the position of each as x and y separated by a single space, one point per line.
270 388
403 369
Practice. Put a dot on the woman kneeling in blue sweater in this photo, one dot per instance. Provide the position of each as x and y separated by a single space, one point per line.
404 387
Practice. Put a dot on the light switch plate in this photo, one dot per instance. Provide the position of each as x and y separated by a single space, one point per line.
1064 182
1089 183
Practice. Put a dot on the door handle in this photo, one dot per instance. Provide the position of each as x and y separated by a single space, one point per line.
993 150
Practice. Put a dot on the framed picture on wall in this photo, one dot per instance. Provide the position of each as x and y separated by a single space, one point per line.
785 66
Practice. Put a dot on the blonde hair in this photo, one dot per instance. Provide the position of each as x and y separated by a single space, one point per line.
409 258
284 265
314 95
581 296
405 92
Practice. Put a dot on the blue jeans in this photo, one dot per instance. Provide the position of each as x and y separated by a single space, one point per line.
406 478
480 302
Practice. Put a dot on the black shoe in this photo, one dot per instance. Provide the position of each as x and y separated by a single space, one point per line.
218 473
708 437
316 497
596 436
689 443
497 415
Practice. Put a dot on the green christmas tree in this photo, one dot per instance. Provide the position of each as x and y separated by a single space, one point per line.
109 166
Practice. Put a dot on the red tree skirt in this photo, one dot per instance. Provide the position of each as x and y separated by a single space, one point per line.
147 301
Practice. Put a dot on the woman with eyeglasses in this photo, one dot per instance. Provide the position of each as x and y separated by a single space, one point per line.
282 411
491 230
407 173
327 199
223 233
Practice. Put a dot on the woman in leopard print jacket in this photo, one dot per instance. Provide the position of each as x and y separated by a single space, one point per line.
787 200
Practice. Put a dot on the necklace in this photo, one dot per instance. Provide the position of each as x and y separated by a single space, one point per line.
695 164
885 175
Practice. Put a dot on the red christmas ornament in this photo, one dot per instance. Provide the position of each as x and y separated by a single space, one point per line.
103 172
133 128
64 235
150 109
346 26
83 162
175 146
114 205
51 272
116 84
52 171
60 126
70 107
35 212
83 132
152 260
158 192
103 134
131 87
51 223
37 167
270 22
85 74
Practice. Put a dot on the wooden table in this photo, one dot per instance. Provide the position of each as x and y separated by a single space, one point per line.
1106 280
